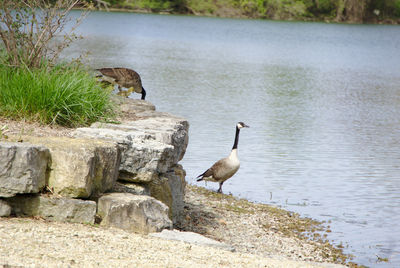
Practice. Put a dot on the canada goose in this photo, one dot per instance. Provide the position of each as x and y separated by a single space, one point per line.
124 77
226 167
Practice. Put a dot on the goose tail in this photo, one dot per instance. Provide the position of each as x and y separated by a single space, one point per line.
201 175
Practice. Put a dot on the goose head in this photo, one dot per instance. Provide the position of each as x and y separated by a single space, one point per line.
240 125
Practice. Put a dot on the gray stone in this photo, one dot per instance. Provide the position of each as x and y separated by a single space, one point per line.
80 168
132 188
161 190
141 155
108 159
168 188
132 106
135 213
54 208
144 176
177 183
22 168
152 144
5 208
162 127
192 238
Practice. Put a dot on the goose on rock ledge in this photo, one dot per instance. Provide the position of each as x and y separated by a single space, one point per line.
124 77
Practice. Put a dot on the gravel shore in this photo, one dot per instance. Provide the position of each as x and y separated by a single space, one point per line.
36 243
257 228
257 232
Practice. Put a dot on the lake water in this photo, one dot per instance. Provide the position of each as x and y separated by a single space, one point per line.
322 101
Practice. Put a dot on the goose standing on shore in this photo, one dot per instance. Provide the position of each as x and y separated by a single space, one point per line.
226 167
126 78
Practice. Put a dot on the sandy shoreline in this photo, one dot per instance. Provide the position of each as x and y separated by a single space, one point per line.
260 235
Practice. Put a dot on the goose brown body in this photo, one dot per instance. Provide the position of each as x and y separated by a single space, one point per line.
126 78
223 169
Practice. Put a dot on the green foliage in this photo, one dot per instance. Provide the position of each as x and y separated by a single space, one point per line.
396 7
321 8
153 5
291 9
386 8
340 10
253 8
32 85
65 94
156 5
206 7
115 2
325 6
275 9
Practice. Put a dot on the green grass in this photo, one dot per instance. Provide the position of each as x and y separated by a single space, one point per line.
65 95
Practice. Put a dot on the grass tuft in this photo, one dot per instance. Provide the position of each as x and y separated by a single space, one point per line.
66 95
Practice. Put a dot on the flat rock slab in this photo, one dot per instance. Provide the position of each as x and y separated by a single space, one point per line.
131 107
22 168
163 127
54 208
192 238
80 168
135 213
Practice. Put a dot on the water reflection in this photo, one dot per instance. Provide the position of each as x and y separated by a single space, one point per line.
322 101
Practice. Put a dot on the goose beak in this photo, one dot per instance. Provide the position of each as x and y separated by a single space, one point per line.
244 125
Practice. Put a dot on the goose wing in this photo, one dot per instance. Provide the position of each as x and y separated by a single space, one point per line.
213 170
110 72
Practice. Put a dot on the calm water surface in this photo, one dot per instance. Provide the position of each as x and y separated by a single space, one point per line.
322 100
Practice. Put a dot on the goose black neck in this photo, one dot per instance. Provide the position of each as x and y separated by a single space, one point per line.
143 93
235 144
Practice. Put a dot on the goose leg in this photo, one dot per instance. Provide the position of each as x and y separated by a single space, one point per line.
143 93
220 187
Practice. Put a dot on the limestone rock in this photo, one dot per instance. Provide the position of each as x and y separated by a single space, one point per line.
22 168
161 190
132 106
132 188
162 127
52 208
80 167
177 184
192 238
141 155
5 208
152 144
169 188
136 213
141 177
108 159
